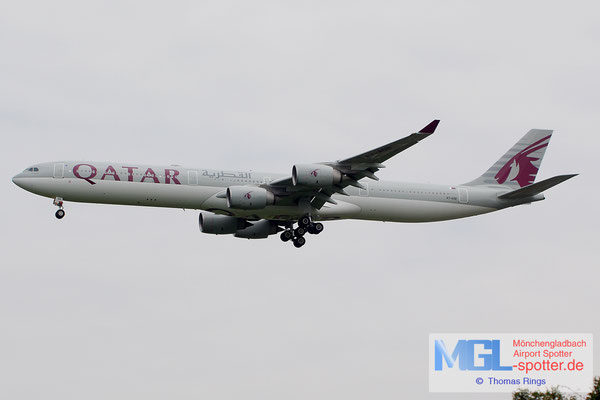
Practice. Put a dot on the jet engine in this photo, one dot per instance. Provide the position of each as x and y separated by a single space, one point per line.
259 230
249 197
315 175
220 224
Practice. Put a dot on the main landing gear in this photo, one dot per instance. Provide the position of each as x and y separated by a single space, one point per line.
60 213
305 225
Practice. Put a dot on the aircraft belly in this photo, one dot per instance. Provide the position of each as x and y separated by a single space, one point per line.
402 210
125 193
204 197
340 210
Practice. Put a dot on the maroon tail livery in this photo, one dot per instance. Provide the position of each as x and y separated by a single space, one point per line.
520 165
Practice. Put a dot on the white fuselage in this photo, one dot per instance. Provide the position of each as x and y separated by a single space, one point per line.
202 189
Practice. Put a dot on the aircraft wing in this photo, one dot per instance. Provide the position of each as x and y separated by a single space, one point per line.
351 169
384 153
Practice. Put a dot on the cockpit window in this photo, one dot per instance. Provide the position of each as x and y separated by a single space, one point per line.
35 169
32 169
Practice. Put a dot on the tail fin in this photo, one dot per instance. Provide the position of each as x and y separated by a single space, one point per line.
519 166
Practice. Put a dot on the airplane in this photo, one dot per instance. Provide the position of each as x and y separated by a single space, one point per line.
256 205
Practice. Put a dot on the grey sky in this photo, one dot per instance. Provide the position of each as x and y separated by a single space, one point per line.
124 302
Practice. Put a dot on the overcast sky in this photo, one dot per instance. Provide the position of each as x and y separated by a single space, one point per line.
135 303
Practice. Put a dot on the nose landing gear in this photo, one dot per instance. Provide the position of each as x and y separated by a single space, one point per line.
60 213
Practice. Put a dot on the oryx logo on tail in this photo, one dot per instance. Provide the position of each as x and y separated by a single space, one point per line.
520 168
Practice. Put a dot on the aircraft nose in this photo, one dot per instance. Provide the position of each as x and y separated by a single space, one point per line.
18 180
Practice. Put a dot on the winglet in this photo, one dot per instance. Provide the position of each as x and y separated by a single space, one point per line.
431 127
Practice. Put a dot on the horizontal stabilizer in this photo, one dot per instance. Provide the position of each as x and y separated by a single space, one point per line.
535 188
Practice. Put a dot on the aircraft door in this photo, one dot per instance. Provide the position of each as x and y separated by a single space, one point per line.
59 170
192 177
463 195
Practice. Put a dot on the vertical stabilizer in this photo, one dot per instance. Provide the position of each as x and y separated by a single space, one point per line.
519 166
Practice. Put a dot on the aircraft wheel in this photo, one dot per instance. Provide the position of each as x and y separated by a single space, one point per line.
286 235
299 242
304 222
317 228
60 214
300 231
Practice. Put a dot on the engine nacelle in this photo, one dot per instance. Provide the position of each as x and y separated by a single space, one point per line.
315 175
249 197
220 224
259 230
